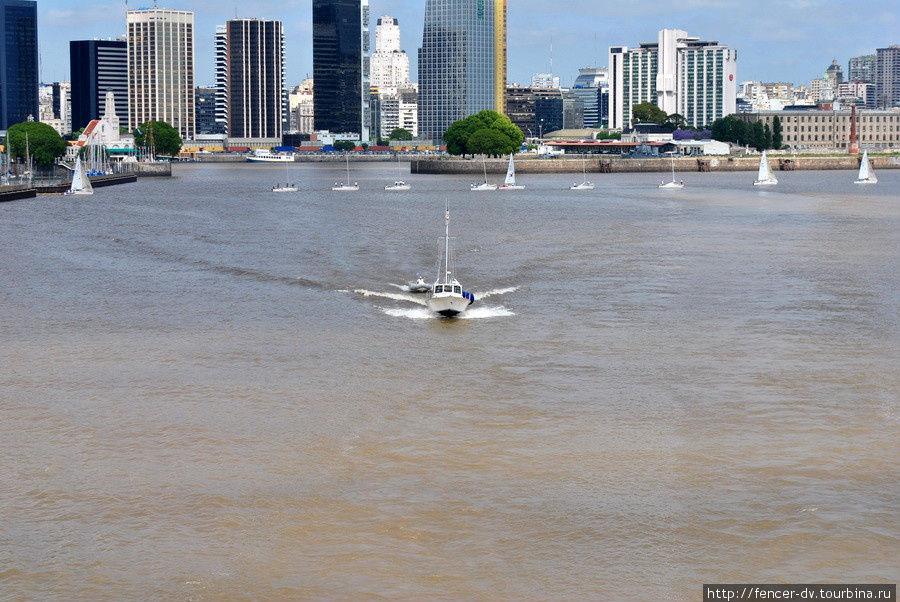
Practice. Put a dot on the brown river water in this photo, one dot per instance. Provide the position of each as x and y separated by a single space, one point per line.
212 392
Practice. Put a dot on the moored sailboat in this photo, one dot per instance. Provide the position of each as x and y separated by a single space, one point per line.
447 298
765 176
585 184
866 174
399 184
340 186
485 185
510 182
673 183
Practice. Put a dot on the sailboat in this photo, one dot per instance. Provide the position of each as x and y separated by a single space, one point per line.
399 184
510 183
447 297
866 174
287 187
673 183
585 185
765 177
81 184
340 186
484 186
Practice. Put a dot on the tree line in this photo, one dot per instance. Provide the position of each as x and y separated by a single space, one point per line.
756 134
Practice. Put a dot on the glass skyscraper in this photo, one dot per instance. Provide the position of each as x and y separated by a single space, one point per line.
18 62
98 67
341 66
461 62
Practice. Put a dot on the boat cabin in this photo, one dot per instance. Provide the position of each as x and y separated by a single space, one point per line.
448 288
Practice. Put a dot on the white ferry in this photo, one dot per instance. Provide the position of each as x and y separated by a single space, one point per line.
267 156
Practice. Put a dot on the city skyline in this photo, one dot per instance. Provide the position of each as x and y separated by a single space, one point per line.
796 48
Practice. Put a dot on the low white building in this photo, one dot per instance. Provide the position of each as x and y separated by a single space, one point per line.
702 147
105 132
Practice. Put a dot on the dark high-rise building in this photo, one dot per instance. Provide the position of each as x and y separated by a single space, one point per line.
205 103
520 107
462 62
255 51
98 67
18 62
341 66
548 114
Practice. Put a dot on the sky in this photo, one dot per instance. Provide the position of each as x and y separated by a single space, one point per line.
776 40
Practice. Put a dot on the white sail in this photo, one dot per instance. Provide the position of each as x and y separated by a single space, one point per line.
866 174
764 173
511 172
81 184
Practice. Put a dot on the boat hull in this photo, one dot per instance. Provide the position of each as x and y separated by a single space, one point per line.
483 187
582 187
345 188
448 305
403 187
671 185
866 181
771 182
511 187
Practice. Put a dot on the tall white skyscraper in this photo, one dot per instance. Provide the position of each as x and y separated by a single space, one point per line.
221 79
390 64
161 68
678 73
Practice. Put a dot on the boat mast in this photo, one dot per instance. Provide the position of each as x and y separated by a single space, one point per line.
447 244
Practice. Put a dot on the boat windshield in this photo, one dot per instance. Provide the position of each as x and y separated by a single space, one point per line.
438 288
457 289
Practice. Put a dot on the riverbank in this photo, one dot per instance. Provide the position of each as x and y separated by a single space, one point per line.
606 164
298 158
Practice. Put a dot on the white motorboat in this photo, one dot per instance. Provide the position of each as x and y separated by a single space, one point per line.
485 185
585 185
673 183
765 176
866 174
447 298
399 184
341 187
419 286
81 184
264 155
510 182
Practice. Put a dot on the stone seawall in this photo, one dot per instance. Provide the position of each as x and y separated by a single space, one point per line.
324 158
157 169
438 165
15 193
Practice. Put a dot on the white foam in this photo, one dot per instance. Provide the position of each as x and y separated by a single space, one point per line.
394 296
475 313
496 291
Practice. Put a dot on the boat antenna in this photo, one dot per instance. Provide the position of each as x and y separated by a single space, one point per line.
447 241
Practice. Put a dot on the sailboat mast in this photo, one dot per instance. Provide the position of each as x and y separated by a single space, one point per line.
447 245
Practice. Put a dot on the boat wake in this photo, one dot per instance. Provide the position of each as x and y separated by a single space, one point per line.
496 291
394 296
475 313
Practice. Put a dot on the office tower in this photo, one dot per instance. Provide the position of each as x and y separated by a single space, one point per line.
221 109
399 109
161 68
887 77
97 67
341 66
18 62
589 87
679 73
255 80
205 107
54 106
500 56
459 62
861 69
390 64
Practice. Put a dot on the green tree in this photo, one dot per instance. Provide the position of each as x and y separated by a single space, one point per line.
344 145
767 136
607 135
757 136
647 112
159 136
365 146
44 143
400 134
458 134
731 129
777 140
486 142
676 121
